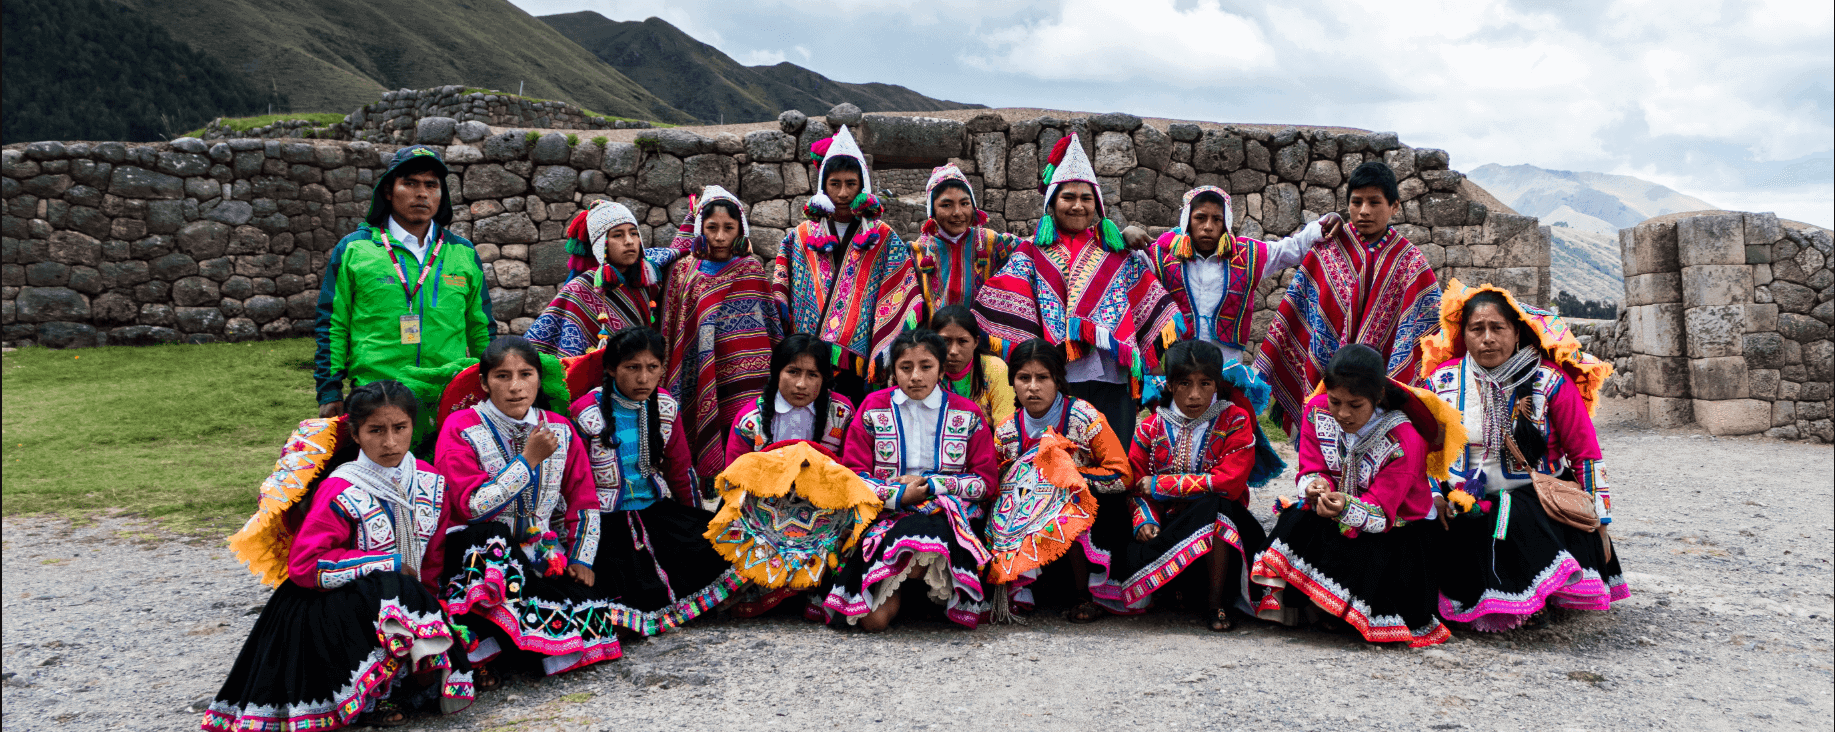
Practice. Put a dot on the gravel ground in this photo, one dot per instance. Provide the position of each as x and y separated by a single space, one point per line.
110 624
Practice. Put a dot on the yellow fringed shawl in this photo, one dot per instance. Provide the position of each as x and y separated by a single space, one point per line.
1552 333
264 542
816 478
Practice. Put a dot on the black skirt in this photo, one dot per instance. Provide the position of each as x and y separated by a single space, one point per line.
657 569
1379 583
892 545
1103 545
1116 402
1496 584
318 659
506 607
1201 526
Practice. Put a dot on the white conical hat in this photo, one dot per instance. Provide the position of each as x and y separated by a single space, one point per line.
717 193
842 145
1075 167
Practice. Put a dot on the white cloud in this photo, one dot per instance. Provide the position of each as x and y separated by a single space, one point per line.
760 58
1102 41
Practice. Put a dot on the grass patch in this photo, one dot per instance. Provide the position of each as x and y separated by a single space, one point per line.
180 433
244 124
583 110
1272 428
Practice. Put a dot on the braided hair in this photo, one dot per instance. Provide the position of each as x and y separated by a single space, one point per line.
621 347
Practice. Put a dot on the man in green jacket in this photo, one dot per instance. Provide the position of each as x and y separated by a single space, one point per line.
402 297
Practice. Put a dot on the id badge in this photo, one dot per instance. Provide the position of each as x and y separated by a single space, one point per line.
411 330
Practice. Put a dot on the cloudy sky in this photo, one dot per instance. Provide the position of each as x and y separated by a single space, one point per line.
1731 102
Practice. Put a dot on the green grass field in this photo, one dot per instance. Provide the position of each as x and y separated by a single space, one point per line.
244 124
181 433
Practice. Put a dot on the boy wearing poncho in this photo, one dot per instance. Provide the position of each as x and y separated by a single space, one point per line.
1365 283
956 252
844 276
621 288
1211 273
1075 285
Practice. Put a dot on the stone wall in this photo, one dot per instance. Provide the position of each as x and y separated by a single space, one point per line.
1728 316
395 118
225 240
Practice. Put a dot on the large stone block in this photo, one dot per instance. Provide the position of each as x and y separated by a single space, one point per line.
917 138
1652 248
1114 153
1791 297
1819 365
1716 284
761 181
1711 239
1657 330
659 180
135 182
1802 328
1650 289
492 181
1718 378
1733 416
1762 229
1661 376
557 182
547 263
700 171
991 158
1763 350
1152 147
507 228
1715 330
1665 412
769 146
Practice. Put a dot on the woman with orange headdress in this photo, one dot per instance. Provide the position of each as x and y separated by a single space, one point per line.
1527 393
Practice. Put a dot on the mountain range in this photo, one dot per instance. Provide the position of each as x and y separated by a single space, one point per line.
160 67
704 82
1584 212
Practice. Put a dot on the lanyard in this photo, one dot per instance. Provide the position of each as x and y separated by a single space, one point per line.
388 244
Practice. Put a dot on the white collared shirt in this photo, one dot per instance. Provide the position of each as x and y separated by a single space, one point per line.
919 422
414 244
793 423
1205 278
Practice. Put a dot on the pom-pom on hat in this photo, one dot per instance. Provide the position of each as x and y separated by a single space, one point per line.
1069 164
842 145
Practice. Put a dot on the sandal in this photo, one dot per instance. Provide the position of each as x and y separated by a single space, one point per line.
484 680
385 714
1088 612
1221 622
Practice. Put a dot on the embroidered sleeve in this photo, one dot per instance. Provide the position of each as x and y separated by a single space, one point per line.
966 486
1164 487
1145 512
1111 474
500 489
333 574
1364 517
1591 475
584 537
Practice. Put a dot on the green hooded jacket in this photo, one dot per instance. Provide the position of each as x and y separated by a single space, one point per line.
362 301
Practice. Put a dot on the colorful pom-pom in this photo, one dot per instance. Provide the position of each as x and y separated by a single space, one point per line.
819 207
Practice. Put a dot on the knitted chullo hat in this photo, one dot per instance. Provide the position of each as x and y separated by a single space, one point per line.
709 195
943 174
408 161
842 145
586 232
1181 242
1069 164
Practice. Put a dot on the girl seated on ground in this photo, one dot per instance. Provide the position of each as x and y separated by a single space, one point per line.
929 456
522 490
784 455
1527 391
1355 544
356 630
652 562
1195 460
969 370
1062 490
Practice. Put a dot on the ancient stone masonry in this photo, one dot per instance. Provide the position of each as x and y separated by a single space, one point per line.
1727 324
397 116
226 240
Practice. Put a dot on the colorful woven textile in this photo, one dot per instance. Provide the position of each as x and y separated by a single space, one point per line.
789 514
266 540
1079 293
719 323
1045 504
951 274
1247 264
860 306
1381 294
598 303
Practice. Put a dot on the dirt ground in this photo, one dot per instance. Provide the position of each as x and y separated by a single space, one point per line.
1727 544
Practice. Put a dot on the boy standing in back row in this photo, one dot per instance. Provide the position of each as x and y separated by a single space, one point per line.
403 297
1364 283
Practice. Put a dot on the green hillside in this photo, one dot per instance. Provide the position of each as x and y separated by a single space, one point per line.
337 55
702 81
91 70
